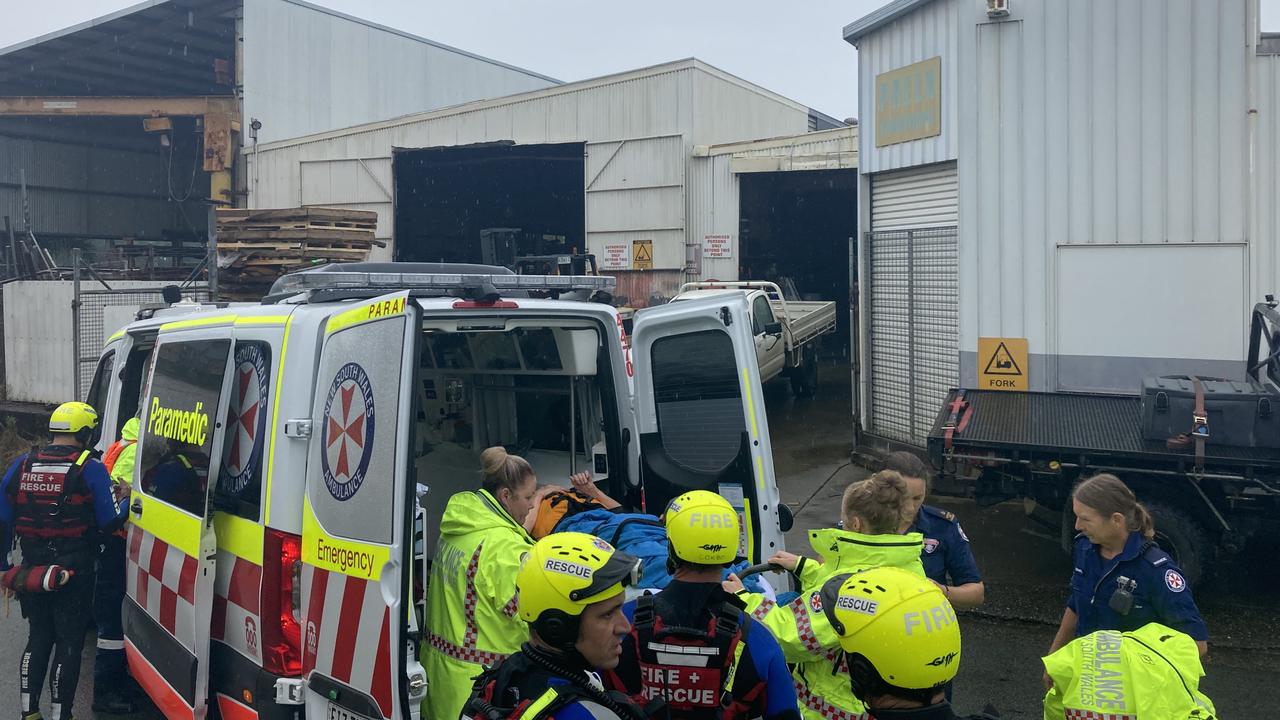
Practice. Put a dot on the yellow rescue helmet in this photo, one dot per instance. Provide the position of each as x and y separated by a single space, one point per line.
565 572
899 623
702 528
72 417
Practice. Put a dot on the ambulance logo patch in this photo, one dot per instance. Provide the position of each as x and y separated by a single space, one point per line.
246 419
1175 581
347 436
930 545
815 602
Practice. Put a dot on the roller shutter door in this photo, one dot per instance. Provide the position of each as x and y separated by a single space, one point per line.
913 249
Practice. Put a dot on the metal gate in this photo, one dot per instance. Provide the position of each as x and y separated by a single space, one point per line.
95 302
914 322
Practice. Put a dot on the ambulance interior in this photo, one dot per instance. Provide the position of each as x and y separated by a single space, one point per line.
530 385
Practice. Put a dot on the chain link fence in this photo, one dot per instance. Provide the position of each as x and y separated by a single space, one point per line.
915 328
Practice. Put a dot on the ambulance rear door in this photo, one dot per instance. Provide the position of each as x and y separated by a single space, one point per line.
358 658
701 416
172 548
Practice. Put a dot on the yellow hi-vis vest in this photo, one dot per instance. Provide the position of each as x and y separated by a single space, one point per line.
471 620
1152 673
808 641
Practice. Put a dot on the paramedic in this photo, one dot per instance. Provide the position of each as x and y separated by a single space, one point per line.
715 661
471 619
55 499
571 588
948 559
1122 579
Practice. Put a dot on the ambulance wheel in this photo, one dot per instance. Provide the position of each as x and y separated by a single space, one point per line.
804 381
1183 538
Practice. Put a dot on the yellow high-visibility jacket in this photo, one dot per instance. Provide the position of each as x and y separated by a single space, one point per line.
471 620
802 629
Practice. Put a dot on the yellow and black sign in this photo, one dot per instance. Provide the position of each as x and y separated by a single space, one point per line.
1002 363
641 254
908 103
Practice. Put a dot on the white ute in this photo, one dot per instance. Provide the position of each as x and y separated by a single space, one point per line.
785 330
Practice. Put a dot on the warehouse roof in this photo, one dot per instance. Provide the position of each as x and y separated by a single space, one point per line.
879 18
157 47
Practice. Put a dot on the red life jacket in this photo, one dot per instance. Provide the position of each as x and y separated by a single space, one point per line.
50 498
691 669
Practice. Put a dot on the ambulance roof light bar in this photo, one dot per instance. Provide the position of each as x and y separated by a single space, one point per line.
354 284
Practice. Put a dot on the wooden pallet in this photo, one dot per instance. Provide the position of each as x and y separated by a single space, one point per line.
296 215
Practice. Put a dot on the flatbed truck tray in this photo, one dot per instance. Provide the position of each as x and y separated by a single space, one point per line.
1070 424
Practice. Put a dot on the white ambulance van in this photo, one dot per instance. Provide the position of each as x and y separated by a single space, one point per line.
277 545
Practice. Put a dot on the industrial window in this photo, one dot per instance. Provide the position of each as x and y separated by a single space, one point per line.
698 399
179 421
239 487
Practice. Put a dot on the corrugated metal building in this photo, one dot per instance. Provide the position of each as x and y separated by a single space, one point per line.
1096 177
645 168
294 67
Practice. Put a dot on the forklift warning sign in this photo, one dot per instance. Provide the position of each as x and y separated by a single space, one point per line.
1002 363
641 254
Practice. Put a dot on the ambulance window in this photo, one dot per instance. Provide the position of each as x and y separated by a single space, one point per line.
239 486
698 399
178 423
97 397
132 375
539 349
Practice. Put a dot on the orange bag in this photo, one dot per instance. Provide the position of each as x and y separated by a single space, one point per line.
555 506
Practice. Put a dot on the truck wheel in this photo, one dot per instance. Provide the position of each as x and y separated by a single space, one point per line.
804 381
1183 538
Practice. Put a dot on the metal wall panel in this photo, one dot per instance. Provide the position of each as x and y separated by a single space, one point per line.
1266 186
308 70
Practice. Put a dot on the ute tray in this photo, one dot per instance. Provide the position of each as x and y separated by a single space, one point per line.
1070 424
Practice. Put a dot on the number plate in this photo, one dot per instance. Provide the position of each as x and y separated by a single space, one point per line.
337 712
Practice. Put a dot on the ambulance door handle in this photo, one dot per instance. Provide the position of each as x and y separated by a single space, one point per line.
136 507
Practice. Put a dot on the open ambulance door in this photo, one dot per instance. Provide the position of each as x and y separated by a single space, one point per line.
701 416
358 659
171 552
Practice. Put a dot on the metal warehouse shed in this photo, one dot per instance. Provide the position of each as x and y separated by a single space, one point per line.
633 136
1096 178
73 102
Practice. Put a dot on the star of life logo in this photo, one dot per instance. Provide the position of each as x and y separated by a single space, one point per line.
347 436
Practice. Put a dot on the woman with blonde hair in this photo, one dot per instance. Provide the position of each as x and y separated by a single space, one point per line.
471 619
1122 579
871 512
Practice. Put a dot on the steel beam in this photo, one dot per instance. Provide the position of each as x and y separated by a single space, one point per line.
119 106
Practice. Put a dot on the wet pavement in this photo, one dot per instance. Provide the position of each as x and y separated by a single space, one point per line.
1026 575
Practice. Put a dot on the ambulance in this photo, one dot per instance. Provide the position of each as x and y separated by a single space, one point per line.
295 457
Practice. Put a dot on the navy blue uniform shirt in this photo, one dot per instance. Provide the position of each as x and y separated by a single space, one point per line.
946 548
1162 594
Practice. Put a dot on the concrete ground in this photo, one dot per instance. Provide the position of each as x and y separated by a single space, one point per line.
1026 575
1026 580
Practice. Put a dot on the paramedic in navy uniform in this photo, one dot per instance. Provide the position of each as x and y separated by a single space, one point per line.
947 558
1122 579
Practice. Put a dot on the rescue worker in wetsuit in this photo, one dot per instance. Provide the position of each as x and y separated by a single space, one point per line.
113 689
872 512
948 559
901 643
571 589
56 499
471 618
1122 579
1151 672
691 644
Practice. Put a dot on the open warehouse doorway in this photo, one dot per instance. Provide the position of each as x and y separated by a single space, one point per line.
491 203
794 228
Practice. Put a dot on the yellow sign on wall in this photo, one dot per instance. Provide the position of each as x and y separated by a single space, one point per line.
1002 363
641 254
909 103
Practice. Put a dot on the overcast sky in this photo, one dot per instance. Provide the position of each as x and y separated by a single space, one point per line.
795 50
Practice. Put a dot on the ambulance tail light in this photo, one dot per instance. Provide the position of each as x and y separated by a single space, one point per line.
281 592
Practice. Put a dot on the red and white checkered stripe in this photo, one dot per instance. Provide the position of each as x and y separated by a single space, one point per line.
824 708
347 633
1070 714
468 651
162 580
804 626
237 594
765 608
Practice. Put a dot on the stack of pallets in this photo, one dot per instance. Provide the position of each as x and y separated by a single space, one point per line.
257 246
